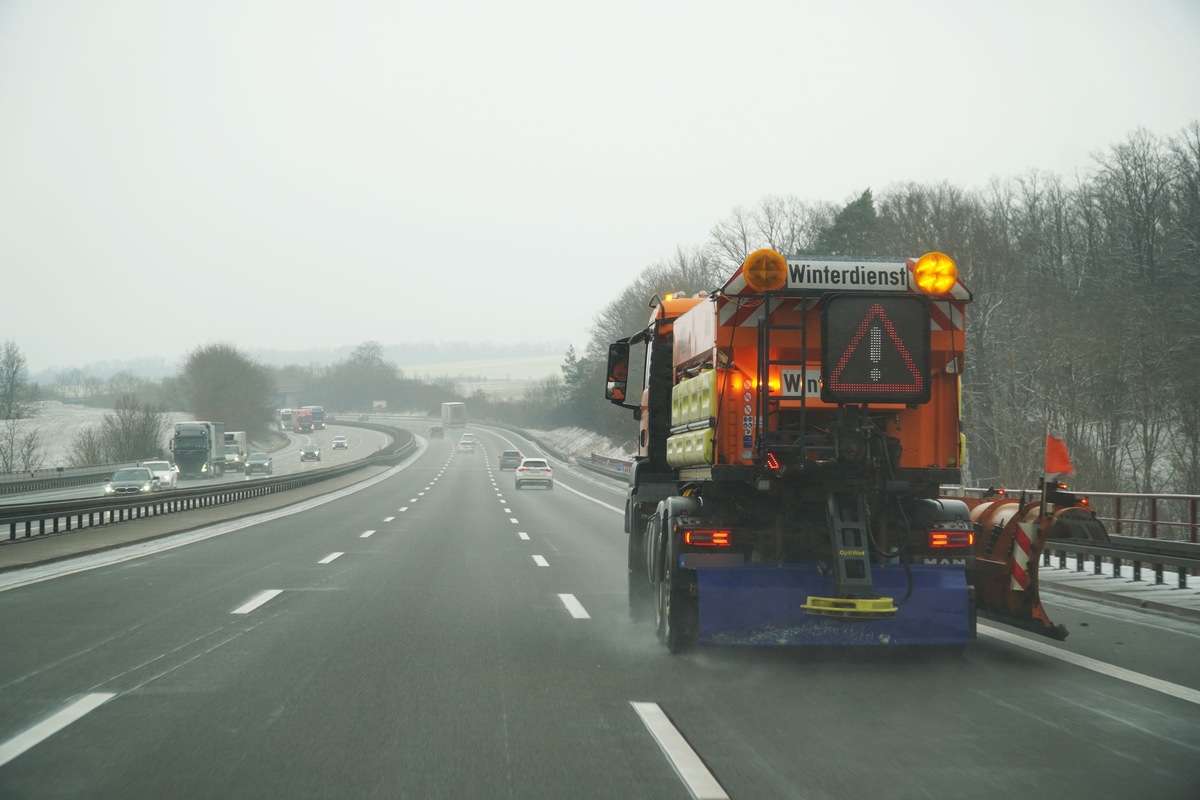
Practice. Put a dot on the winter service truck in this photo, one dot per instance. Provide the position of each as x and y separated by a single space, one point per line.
796 428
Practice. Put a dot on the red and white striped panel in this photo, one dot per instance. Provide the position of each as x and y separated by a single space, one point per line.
1026 533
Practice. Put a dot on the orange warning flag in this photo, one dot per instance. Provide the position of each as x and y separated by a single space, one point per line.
1058 462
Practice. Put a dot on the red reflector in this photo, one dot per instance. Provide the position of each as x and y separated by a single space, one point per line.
772 461
951 538
707 538
1084 501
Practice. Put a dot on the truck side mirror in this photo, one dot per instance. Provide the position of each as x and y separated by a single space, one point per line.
617 383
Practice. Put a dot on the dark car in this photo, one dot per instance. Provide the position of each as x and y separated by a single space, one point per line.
437 432
310 452
259 462
132 480
510 459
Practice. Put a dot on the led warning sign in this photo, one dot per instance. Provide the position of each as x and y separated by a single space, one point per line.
875 349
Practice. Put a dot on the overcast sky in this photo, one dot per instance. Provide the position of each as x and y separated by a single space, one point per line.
288 174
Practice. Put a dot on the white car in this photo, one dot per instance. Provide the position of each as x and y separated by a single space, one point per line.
340 443
534 470
166 472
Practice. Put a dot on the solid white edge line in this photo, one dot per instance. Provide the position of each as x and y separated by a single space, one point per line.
1120 673
331 558
688 766
574 606
52 725
541 562
258 600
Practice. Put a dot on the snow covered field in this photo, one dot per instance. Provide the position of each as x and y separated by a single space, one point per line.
58 424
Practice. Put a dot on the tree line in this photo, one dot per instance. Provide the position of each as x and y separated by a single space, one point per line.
1086 294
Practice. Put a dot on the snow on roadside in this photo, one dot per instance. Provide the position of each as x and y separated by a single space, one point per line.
581 443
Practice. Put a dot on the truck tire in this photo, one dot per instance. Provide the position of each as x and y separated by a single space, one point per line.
676 612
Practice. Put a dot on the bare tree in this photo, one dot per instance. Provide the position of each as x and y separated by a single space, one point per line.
21 447
17 394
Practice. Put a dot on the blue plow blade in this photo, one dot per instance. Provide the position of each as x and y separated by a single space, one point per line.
760 604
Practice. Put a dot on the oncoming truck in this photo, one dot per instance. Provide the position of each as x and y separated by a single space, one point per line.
454 415
795 429
199 449
237 447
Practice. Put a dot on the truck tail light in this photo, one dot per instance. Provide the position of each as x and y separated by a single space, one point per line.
939 539
707 537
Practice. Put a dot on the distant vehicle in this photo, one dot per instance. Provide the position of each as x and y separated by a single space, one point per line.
237 447
166 472
259 462
199 449
302 421
340 443
437 432
510 459
131 480
465 446
364 417
310 452
318 416
454 415
534 470
285 419
468 437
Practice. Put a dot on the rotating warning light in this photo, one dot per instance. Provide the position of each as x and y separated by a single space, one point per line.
875 349
765 270
935 273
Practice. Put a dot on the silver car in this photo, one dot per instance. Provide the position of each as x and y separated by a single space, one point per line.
166 472
131 481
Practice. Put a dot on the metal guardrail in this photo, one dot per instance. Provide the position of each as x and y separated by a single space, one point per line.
1137 551
39 519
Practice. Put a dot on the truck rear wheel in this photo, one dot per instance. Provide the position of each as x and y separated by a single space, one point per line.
675 616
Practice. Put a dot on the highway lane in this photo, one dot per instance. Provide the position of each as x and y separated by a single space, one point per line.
437 657
360 441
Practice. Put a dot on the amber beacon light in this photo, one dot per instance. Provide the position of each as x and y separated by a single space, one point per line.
765 270
935 273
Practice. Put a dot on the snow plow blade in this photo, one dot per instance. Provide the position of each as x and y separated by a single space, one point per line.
763 605
1010 539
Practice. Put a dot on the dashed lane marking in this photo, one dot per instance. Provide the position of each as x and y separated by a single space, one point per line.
258 600
52 725
688 766
329 559
574 606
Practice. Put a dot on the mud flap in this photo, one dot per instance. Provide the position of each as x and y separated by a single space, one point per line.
761 605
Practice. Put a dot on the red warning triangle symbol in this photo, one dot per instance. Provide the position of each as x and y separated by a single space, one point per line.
865 358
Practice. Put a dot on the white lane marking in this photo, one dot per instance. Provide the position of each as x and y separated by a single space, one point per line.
508 511
331 558
404 508
365 534
514 520
589 497
574 606
523 535
58 569
412 499
541 562
261 598
688 766
52 725
388 519
420 494
1120 673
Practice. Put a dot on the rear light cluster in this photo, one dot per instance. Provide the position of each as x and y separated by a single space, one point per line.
939 539
707 537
